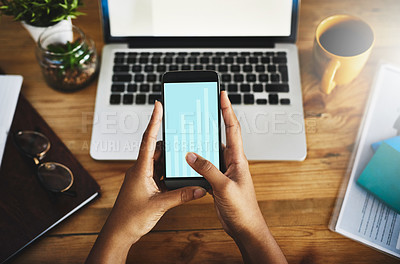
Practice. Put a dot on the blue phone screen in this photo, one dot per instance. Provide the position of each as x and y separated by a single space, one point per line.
191 125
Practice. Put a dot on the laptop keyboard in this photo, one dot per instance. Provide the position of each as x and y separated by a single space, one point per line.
248 77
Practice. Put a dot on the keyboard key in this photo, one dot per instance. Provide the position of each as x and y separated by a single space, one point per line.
222 68
279 60
235 68
210 68
285 101
277 88
282 68
127 99
195 53
144 87
257 53
185 67
144 59
247 68
133 54
120 54
281 54
136 68
122 78
232 53
275 78
271 68
207 53
235 98
132 88
238 78
226 77
157 54
284 77
119 60
145 54
204 60
263 78
245 88
251 78
149 68
228 60
139 77
115 99
118 88
232 88
245 53
216 60
253 60
241 60
156 87
261 101
151 78
222 87
180 60
173 67
168 60
121 68
265 60
220 53
248 99
155 60
260 68
179 54
154 97
161 68
140 99
273 99
198 67
192 60
270 53
132 60
258 88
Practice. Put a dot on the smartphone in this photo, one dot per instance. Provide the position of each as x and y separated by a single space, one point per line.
191 123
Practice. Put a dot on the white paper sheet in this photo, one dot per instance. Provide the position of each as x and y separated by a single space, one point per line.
10 86
361 216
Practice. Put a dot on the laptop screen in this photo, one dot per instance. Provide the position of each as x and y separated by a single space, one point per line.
204 23
189 18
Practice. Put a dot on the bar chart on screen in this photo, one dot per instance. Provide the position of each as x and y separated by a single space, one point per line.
191 125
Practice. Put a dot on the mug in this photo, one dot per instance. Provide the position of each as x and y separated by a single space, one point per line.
342 46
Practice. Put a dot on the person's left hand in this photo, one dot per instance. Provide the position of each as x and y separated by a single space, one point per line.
141 202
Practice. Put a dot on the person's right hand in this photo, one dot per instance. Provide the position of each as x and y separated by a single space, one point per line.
234 196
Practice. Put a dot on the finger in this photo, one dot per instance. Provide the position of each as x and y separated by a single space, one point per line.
233 133
180 196
148 145
207 170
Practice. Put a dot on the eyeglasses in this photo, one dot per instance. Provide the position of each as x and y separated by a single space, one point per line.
53 176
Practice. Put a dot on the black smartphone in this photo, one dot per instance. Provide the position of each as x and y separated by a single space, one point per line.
191 123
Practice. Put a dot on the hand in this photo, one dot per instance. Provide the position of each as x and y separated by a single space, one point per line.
140 202
234 195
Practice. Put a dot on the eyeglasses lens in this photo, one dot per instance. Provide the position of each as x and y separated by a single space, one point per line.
32 143
56 177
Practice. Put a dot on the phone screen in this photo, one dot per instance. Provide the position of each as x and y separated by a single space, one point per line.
191 125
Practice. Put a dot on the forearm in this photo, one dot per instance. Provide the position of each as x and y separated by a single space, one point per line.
111 246
259 246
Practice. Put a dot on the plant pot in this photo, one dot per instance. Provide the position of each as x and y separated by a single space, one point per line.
67 64
36 31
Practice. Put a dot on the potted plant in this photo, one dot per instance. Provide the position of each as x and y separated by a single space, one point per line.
37 15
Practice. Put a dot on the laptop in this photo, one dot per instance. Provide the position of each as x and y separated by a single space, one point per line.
250 44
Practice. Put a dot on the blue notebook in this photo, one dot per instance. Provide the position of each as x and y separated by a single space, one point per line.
381 176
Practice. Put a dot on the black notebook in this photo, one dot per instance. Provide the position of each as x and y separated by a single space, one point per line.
27 210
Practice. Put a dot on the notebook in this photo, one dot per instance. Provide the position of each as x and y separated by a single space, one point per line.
250 44
27 210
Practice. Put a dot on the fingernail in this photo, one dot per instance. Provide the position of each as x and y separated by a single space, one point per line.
190 157
198 193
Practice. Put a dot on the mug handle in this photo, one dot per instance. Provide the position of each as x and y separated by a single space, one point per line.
328 82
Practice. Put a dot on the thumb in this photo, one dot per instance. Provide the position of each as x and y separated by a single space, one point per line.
180 196
205 168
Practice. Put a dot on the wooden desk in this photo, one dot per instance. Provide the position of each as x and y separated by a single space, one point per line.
296 198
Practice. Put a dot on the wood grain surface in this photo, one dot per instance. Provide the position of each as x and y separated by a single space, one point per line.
296 198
